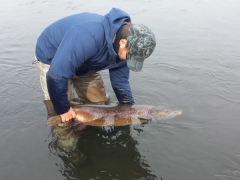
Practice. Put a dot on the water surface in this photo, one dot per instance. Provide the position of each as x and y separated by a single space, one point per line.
195 67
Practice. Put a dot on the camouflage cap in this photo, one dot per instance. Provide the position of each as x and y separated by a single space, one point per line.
141 44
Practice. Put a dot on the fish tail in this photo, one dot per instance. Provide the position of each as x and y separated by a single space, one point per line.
49 107
53 118
53 121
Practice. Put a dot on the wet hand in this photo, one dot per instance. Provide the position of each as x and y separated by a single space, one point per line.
68 115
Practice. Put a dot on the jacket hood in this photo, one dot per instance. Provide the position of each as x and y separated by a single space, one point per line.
112 22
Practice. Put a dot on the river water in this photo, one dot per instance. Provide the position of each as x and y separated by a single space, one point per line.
195 67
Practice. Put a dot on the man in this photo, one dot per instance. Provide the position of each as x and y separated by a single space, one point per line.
72 51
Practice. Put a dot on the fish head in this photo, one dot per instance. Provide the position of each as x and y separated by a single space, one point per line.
164 113
169 113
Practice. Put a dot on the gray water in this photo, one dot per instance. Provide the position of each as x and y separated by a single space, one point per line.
195 67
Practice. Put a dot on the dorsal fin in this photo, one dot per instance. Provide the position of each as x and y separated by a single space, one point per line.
50 109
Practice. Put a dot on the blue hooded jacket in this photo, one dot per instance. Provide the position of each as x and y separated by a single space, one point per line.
78 44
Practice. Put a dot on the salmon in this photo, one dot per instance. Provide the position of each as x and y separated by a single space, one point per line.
119 115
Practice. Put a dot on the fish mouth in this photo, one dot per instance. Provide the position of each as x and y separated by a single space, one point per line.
177 112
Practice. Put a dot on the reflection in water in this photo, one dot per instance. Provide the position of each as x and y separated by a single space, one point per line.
109 153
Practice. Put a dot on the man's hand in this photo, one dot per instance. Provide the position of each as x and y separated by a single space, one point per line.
68 115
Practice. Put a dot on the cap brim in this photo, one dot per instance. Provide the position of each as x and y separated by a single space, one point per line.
134 64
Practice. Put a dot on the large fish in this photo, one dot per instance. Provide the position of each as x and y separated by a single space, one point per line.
119 115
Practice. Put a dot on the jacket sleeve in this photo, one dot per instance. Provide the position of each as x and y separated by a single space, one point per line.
119 80
76 46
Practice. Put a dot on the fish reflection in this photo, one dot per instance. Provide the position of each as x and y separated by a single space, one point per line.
102 153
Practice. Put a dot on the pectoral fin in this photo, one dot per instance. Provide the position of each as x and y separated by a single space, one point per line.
146 117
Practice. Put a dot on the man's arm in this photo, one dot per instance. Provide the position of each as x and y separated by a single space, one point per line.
119 79
76 46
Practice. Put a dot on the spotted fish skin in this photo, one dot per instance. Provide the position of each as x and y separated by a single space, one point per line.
119 115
